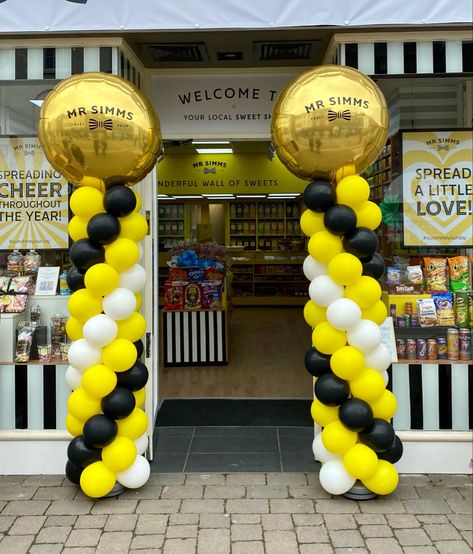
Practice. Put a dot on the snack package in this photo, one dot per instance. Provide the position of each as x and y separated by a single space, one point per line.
459 271
192 296
196 274
213 274
23 344
414 275
426 313
177 274
174 295
444 306
393 275
461 309
211 295
436 274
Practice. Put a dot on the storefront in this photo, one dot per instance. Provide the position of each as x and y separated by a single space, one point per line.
248 203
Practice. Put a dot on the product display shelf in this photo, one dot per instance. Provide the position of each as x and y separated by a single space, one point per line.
172 224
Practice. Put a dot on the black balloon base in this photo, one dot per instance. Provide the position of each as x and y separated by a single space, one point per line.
118 488
360 492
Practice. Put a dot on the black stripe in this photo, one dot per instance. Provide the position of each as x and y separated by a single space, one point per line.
390 375
77 60
49 63
215 332
49 396
207 336
380 58
224 336
21 397
189 333
21 63
470 396
183 332
438 50
128 70
415 394
173 336
122 65
445 396
105 53
197 324
410 57
467 56
351 55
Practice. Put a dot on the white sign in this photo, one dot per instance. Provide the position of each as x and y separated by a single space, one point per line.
389 339
46 281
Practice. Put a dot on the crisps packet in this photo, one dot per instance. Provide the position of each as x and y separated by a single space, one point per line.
444 307
460 279
436 274
414 275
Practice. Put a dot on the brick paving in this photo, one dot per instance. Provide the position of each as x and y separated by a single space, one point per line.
254 513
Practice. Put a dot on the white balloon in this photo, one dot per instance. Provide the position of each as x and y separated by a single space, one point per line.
312 268
119 304
73 378
366 336
133 279
323 290
343 314
141 443
82 354
320 452
136 475
379 358
100 330
385 376
334 478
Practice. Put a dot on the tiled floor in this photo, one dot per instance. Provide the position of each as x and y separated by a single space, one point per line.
233 449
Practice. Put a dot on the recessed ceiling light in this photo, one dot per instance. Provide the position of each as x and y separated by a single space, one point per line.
284 195
220 195
210 142
188 196
251 195
214 151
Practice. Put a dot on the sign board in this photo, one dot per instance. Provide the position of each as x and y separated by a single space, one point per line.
33 198
437 168
46 281
389 339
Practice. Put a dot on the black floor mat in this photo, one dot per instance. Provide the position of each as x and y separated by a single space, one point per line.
234 412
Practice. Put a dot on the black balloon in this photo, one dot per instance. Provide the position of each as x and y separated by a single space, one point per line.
119 403
119 201
362 242
316 363
139 348
331 390
134 378
340 219
394 453
103 228
73 472
84 254
80 453
75 279
355 414
100 430
374 267
378 436
319 196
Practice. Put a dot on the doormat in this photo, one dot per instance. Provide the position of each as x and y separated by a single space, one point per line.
235 412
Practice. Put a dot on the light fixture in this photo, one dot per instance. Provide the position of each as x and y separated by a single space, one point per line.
188 196
284 195
210 142
216 194
214 151
251 195
223 197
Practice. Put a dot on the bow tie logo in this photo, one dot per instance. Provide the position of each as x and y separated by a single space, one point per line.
209 170
332 116
29 152
94 124
445 147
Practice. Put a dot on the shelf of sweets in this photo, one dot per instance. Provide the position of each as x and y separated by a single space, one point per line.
424 332
433 362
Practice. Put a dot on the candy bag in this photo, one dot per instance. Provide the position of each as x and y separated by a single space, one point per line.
444 307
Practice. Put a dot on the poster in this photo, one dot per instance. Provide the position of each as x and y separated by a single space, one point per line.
33 198
437 171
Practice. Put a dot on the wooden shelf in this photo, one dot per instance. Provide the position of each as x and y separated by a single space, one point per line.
36 362
434 362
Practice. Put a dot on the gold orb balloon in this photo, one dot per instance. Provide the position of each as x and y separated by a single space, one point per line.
99 130
329 117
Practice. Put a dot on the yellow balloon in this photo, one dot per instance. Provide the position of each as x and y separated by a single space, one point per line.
345 171
97 480
98 381
93 182
337 438
134 425
353 191
74 329
83 305
119 355
384 480
327 339
140 397
368 215
345 269
139 300
360 461
74 426
132 328
323 246
101 279
77 228
122 254
113 136
377 313
368 386
314 314
119 454
134 226
347 362
385 407
82 406
312 222
328 117
138 201
86 202
365 292
323 414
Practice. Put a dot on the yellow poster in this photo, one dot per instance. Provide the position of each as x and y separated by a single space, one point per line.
437 169
33 198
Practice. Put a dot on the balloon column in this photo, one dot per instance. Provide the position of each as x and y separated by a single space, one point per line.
329 124
109 141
